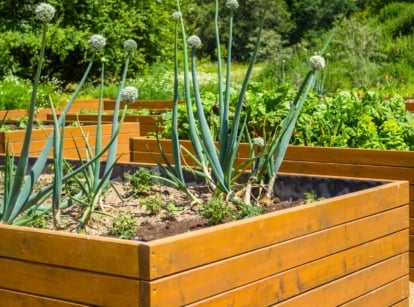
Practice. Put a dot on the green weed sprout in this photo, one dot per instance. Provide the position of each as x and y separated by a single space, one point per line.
20 199
216 163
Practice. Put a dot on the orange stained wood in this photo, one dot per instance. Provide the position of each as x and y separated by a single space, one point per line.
349 170
403 303
387 295
409 106
350 156
81 252
164 258
340 291
286 282
21 299
68 284
163 105
92 118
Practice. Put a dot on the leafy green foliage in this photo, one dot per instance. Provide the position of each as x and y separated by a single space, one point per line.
124 225
140 180
216 211
67 52
152 204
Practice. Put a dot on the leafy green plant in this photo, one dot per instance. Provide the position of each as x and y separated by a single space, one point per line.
311 197
216 211
152 204
124 225
170 211
140 180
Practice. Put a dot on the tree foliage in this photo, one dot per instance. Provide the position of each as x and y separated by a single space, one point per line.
147 22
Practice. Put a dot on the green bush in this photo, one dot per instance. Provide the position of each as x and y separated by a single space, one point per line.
15 93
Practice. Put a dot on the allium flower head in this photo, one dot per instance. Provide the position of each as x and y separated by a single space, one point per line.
317 62
45 12
97 42
129 94
232 4
130 45
194 41
258 141
176 15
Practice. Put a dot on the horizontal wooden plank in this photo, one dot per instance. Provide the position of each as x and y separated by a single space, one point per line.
403 303
387 295
349 170
42 134
409 106
290 281
21 299
207 245
98 254
109 104
93 118
350 156
332 294
83 287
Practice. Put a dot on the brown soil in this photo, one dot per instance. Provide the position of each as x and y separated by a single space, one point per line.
120 199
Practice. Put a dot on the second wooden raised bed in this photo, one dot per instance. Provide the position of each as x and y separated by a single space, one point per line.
73 138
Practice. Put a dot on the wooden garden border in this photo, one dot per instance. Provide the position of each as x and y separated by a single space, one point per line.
356 242
359 163
73 138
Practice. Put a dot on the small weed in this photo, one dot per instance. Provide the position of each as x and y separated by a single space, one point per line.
152 204
170 210
216 211
140 180
311 197
38 221
246 211
124 225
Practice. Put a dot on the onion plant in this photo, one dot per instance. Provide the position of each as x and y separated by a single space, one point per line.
217 161
21 201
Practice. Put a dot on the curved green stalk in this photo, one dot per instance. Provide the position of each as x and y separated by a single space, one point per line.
191 121
24 155
208 142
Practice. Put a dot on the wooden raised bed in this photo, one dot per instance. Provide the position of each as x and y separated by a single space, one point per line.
147 123
409 105
73 138
350 249
152 105
359 163
42 114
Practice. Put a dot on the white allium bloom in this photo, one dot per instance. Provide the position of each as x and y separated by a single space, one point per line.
317 62
232 4
258 141
97 42
45 12
130 45
176 15
194 41
129 94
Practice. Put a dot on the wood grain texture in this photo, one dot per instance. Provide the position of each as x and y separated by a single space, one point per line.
68 284
22 299
89 253
292 272
340 291
207 245
73 138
